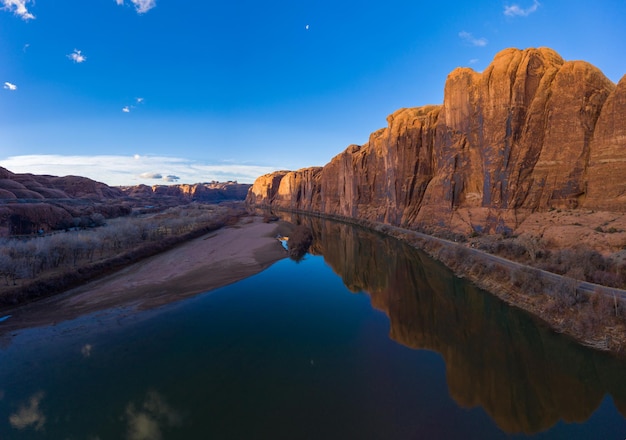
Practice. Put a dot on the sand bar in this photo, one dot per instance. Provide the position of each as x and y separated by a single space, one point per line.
214 260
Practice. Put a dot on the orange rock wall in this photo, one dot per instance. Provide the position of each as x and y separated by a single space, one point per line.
530 133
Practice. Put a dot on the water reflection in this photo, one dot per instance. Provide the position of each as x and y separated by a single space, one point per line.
29 415
526 377
148 420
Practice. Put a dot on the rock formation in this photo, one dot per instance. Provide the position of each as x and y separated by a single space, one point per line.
530 133
197 192
29 203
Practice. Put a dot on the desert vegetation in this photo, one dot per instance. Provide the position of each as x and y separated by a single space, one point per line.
40 265
549 283
578 262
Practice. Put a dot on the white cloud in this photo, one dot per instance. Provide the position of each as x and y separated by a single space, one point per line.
469 38
171 178
131 169
151 176
142 6
31 415
517 11
10 86
77 56
19 8
128 108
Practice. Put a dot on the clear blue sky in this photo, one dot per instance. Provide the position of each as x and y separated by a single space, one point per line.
134 91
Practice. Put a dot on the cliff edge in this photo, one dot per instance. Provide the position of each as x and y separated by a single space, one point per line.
531 133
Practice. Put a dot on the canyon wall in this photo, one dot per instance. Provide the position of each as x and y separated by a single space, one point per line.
531 133
30 203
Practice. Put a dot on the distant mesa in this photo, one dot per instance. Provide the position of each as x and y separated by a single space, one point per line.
531 133
30 203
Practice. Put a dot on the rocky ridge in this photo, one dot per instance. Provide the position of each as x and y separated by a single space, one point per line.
530 134
29 203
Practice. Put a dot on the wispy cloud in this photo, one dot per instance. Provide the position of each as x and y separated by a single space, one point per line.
133 170
516 10
469 38
10 86
19 8
142 6
77 56
151 176
128 108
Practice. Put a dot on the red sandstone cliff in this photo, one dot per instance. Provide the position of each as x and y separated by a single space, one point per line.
530 133
30 202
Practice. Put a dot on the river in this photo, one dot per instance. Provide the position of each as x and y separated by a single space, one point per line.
364 338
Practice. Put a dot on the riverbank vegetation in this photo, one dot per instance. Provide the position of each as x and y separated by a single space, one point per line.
42 265
549 284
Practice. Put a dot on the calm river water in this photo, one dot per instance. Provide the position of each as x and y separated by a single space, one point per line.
365 338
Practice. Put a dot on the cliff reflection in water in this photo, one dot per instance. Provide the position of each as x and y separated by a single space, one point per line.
526 377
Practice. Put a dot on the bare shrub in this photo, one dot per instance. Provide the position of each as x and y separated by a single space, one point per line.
479 268
528 280
499 272
122 240
603 305
567 292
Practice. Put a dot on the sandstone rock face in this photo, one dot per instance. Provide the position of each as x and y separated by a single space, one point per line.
197 192
25 186
530 133
30 202
606 176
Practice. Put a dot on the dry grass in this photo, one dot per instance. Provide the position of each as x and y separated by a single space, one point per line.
41 266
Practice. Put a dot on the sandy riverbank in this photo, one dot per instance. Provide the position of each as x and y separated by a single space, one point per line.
208 262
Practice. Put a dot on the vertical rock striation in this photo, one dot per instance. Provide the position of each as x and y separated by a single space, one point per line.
530 133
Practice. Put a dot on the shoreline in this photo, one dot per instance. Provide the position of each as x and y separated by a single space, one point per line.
211 261
542 297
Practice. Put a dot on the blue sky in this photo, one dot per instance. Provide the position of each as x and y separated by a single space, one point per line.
151 91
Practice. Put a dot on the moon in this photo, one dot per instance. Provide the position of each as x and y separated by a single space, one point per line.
306 27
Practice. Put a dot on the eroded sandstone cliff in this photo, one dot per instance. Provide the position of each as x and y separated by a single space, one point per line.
30 203
530 133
